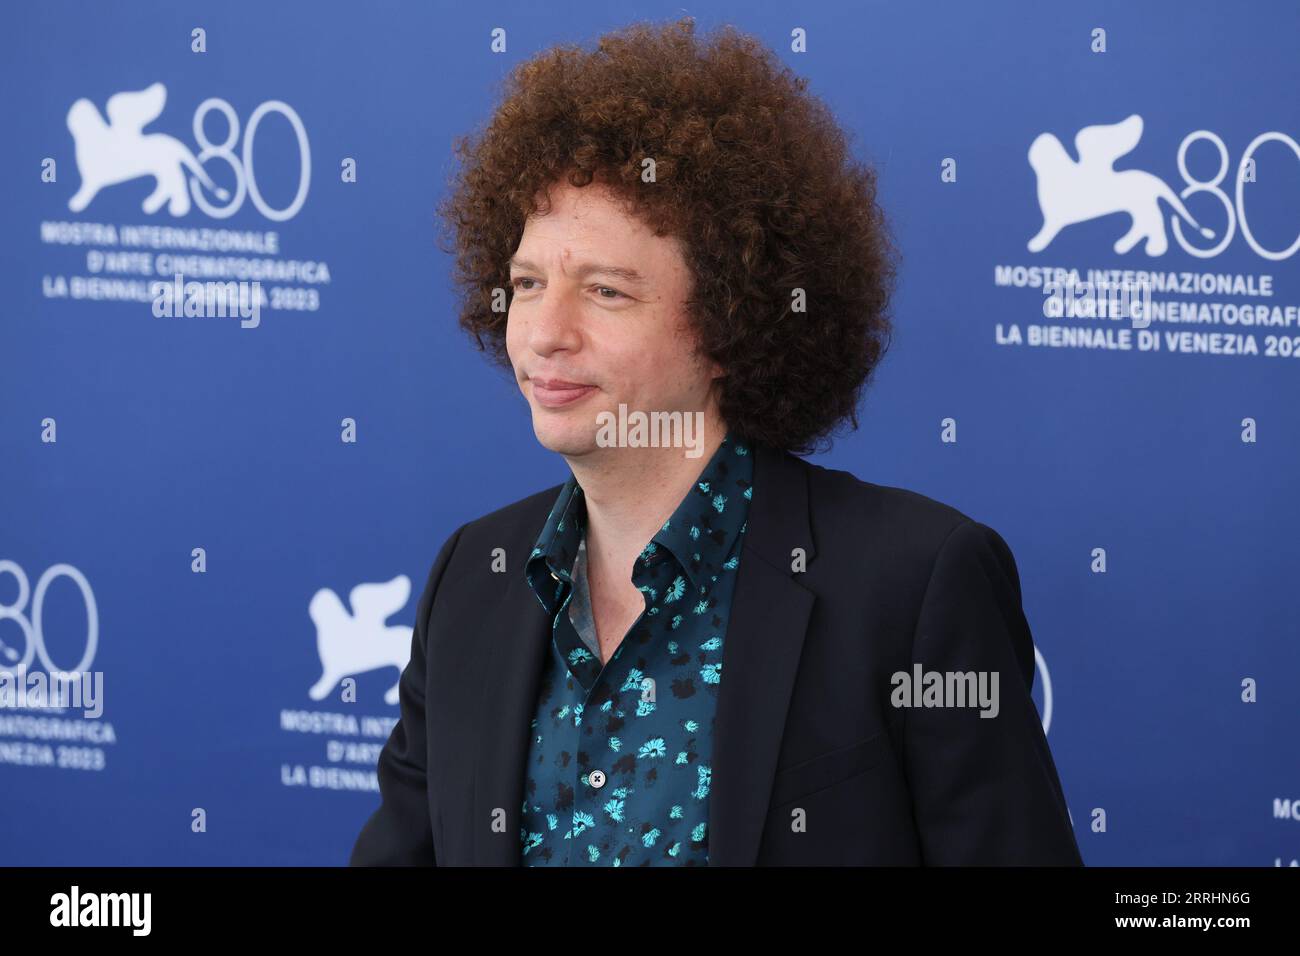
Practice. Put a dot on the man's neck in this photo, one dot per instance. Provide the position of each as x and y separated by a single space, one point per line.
631 492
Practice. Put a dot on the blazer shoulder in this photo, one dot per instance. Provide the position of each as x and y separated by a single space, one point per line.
903 537
845 496
906 528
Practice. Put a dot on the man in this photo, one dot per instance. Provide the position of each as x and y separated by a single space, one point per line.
700 650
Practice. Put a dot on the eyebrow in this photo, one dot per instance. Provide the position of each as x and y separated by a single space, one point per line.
583 269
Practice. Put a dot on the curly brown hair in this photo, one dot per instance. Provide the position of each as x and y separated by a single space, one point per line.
751 173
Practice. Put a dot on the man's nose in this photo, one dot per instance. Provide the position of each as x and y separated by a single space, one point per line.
553 321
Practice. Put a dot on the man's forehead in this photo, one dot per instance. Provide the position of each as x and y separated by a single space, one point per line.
579 263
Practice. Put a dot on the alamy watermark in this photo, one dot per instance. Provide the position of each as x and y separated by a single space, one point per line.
651 430
209 300
1126 299
37 690
923 688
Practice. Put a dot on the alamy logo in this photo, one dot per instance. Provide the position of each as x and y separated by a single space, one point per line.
1070 192
922 688
118 151
130 910
358 641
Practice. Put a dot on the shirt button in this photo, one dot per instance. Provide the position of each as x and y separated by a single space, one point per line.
596 778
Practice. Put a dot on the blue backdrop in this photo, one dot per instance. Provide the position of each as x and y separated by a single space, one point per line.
1148 492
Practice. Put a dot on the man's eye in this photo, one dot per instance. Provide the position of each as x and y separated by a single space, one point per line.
600 289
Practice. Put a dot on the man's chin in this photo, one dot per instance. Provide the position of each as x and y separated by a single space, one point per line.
568 438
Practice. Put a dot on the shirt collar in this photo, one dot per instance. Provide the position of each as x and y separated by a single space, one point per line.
550 566
712 514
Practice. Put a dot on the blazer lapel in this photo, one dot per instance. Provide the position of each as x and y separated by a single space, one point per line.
760 657
514 643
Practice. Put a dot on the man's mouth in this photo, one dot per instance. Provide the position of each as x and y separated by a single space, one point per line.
558 393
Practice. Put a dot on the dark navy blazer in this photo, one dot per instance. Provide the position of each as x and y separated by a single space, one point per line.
842 585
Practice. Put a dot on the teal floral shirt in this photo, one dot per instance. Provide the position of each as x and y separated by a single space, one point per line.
618 770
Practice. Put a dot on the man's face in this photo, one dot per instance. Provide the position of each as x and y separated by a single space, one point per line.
597 319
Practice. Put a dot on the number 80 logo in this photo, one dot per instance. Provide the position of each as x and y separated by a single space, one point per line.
245 180
32 630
